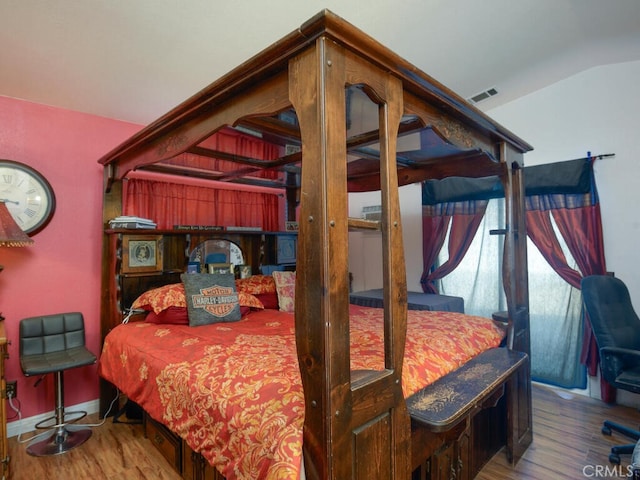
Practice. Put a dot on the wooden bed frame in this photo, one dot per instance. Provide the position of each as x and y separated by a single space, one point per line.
355 426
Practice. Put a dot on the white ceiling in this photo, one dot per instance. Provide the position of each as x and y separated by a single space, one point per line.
135 59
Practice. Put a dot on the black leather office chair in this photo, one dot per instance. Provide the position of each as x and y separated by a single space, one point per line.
53 344
617 330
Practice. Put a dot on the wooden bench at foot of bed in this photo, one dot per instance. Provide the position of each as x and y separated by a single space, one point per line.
457 423
461 420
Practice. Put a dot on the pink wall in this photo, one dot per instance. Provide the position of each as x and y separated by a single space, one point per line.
61 271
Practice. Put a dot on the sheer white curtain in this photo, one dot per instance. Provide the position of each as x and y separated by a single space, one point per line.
478 278
555 306
555 311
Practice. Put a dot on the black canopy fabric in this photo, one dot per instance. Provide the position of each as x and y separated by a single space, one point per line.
568 177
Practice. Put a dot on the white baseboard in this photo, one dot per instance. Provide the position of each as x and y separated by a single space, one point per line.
26 425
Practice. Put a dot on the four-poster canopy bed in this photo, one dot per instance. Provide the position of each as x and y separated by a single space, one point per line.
299 92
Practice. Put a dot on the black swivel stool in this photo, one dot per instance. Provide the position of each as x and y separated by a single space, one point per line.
53 344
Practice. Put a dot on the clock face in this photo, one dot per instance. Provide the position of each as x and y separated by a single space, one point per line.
27 194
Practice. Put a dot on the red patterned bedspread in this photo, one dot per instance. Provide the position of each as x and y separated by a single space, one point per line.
233 390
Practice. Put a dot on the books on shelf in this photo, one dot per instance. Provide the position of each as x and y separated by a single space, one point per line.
217 228
233 228
145 223
126 221
214 228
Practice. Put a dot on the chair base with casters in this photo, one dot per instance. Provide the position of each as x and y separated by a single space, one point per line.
53 344
608 428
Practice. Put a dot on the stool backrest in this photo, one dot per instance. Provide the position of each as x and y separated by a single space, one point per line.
51 333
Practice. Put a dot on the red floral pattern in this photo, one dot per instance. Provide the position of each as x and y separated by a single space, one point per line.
248 300
161 298
256 284
233 390
286 288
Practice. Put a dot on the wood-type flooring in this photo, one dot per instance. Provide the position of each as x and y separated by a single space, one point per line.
567 444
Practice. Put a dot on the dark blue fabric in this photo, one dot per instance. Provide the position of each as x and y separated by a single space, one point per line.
572 177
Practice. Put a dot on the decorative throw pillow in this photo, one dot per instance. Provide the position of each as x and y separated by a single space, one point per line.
211 298
248 300
256 284
286 288
161 298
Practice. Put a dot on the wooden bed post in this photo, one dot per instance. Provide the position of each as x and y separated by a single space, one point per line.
354 428
516 286
111 208
292 196
514 269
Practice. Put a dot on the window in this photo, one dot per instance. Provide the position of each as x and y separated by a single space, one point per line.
554 306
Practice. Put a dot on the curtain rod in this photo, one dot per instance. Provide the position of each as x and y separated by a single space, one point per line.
598 157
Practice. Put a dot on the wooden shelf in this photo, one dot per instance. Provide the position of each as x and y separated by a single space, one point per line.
142 231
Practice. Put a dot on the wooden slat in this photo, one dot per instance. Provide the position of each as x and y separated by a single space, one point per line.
361 223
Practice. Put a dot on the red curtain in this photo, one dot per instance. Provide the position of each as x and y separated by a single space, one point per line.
170 204
465 220
542 234
435 230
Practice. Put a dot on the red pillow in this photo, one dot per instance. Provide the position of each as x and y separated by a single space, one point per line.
248 300
256 284
269 300
171 315
161 298
180 316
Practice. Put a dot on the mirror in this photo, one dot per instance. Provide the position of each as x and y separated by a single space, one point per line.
216 252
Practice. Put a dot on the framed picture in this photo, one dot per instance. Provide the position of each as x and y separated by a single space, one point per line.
243 271
141 254
286 249
193 267
291 226
219 268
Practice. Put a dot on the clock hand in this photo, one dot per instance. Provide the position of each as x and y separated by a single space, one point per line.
6 200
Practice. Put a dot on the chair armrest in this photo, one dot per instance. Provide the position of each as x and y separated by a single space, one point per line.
613 360
624 354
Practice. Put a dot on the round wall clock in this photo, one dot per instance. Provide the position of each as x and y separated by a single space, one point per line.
27 194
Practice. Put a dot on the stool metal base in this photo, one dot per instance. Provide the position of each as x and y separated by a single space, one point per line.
58 441
60 419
